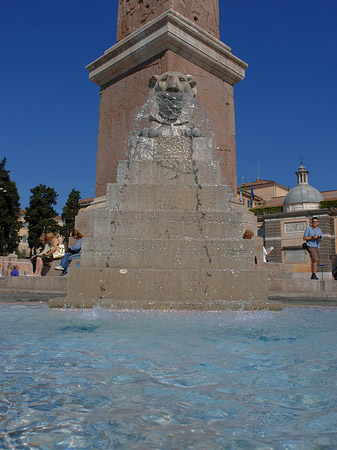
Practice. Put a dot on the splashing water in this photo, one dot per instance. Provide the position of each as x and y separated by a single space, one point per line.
168 114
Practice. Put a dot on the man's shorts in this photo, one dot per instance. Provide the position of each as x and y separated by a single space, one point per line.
315 254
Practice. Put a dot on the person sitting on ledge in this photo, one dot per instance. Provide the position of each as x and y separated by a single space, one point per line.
15 271
74 252
33 258
45 258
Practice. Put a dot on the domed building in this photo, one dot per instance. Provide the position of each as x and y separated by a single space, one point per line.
303 196
284 230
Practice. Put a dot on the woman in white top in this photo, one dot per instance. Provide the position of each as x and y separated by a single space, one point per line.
266 252
45 258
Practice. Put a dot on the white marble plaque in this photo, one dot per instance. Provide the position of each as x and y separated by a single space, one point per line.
295 227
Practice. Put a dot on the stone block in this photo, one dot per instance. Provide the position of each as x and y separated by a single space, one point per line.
167 224
166 197
85 219
159 289
56 285
203 149
168 253
184 172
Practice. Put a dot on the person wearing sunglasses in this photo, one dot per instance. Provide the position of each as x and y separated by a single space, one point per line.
313 236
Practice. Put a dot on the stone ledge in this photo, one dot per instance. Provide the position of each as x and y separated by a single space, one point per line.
298 299
46 285
169 31
165 304
305 287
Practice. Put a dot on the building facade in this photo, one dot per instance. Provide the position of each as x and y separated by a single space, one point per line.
284 230
266 193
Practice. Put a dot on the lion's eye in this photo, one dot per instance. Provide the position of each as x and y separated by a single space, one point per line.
164 79
182 79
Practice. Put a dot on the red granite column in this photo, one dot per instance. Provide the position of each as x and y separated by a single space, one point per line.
133 14
155 36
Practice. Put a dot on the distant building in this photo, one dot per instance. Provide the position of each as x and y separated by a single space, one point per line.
303 196
284 230
265 193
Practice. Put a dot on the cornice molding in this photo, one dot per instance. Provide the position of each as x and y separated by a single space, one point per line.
169 31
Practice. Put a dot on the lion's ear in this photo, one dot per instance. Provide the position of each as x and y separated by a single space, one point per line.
193 84
153 81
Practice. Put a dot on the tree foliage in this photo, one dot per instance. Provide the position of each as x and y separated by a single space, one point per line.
266 210
70 211
9 212
328 204
40 215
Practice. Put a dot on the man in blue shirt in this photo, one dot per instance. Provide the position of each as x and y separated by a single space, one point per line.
313 235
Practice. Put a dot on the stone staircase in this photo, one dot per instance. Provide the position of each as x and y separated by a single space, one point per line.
286 286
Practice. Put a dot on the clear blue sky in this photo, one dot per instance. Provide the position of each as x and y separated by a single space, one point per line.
285 108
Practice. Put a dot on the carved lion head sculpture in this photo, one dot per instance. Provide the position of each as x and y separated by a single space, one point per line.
174 82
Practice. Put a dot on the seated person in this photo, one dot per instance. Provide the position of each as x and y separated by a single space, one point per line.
15 271
74 252
45 257
33 258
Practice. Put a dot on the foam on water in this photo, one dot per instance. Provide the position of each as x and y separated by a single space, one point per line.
99 379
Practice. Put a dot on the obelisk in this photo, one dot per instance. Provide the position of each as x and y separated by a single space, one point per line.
153 37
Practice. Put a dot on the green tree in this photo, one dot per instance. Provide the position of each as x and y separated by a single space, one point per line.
40 215
9 212
69 213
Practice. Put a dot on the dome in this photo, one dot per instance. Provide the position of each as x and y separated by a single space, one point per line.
303 193
303 196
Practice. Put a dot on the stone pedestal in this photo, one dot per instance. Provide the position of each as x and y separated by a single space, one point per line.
172 40
168 238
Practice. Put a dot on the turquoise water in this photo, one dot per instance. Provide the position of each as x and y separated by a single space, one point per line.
175 381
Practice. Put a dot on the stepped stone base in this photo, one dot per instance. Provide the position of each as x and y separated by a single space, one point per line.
167 289
168 237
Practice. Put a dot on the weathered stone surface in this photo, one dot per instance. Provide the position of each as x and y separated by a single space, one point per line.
170 197
157 286
177 254
167 224
123 72
134 14
55 285
210 305
167 172
85 219
168 245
